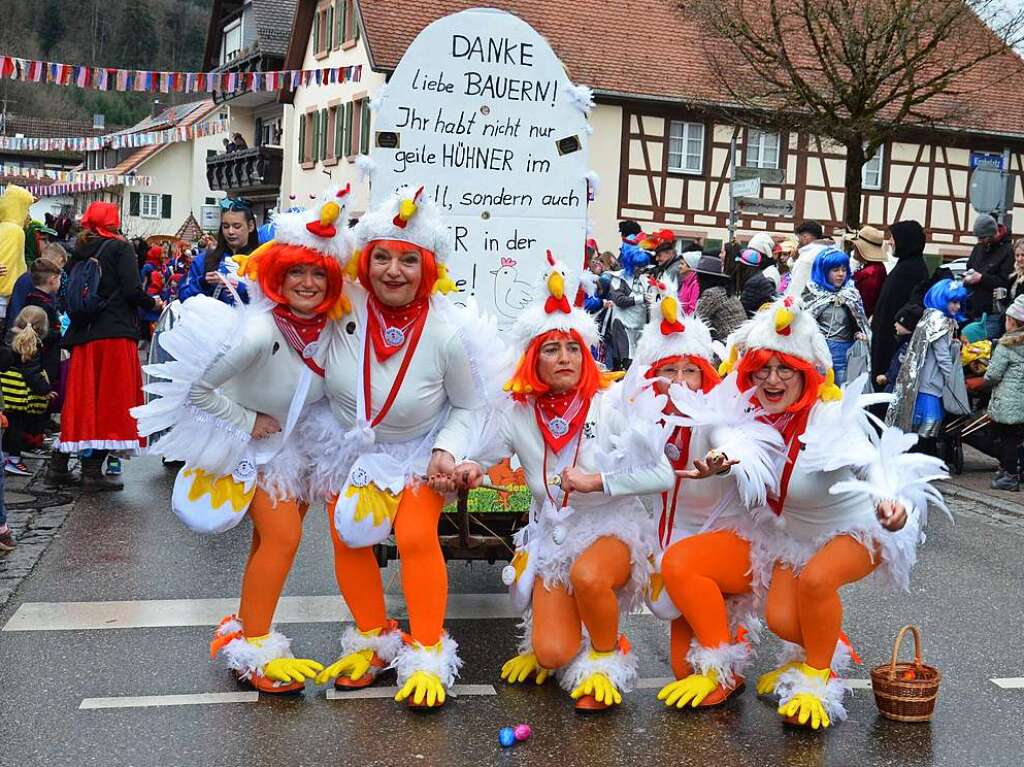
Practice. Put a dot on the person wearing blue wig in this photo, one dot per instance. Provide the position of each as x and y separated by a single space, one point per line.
931 365
836 305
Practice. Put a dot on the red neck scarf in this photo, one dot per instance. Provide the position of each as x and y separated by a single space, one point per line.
680 440
300 332
394 323
558 412
791 426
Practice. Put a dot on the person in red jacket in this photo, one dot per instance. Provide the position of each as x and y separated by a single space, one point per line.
868 279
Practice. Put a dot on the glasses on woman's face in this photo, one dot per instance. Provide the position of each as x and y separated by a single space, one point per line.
784 373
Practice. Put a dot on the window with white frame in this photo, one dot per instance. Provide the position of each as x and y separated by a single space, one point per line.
231 41
150 206
686 147
762 149
871 173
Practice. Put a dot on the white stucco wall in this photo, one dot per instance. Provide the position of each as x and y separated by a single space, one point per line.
302 182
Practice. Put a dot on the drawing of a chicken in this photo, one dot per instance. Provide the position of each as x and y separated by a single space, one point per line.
511 295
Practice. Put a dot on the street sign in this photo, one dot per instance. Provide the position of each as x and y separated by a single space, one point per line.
209 218
762 206
986 160
987 190
748 187
767 175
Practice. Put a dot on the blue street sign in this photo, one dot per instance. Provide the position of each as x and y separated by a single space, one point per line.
987 159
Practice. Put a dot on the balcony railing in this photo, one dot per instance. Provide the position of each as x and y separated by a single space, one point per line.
247 171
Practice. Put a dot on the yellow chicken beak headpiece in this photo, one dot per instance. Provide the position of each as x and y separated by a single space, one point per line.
407 209
670 309
556 284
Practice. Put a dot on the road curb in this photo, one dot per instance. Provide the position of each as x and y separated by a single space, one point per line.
999 510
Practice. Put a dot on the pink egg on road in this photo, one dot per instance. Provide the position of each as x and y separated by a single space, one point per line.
523 731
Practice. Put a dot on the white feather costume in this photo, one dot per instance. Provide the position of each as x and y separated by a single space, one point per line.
841 470
230 363
721 419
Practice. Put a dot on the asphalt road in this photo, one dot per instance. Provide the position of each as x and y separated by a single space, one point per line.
58 661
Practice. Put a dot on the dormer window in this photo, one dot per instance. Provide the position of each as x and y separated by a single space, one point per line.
231 41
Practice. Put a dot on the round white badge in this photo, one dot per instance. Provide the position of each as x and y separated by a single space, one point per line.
311 349
558 426
672 451
508 575
558 535
359 477
394 336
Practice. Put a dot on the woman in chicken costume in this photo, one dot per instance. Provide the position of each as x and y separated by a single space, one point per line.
587 453
850 503
724 460
406 386
241 378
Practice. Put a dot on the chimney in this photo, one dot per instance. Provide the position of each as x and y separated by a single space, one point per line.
99 122
157 108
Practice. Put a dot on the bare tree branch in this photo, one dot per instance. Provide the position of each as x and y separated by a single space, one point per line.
858 72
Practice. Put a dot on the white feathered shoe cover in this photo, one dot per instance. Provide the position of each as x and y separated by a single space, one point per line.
206 330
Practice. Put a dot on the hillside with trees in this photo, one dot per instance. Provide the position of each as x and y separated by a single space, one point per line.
132 34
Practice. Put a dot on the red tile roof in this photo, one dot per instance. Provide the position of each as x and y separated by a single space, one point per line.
598 42
184 114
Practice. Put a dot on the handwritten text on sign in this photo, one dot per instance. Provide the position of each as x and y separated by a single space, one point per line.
478 111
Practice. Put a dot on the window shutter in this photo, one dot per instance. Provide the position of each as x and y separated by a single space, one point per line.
302 139
314 147
364 127
316 33
258 132
347 141
355 23
339 132
165 206
340 14
134 203
330 27
323 133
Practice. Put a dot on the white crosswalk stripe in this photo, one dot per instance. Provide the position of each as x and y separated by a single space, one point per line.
146 701
165 613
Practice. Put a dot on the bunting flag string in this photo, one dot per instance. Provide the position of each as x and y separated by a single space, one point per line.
73 176
121 140
146 81
59 190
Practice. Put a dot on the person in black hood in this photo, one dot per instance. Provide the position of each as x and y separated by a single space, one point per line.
910 270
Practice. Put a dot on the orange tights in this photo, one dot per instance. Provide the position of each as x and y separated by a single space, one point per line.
424 572
805 609
558 616
699 572
276 532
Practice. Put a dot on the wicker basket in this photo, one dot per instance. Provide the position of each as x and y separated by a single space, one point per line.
906 692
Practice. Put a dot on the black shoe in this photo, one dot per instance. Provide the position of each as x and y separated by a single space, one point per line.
93 477
58 472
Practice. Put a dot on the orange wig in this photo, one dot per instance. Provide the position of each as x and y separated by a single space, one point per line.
426 258
755 359
277 259
709 377
525 382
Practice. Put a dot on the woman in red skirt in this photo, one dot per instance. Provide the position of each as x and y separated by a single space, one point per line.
104 376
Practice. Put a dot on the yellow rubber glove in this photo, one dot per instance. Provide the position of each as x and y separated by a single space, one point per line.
353 665
806 706
291 669
690 690
423 686
519 669
766 682
600 687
